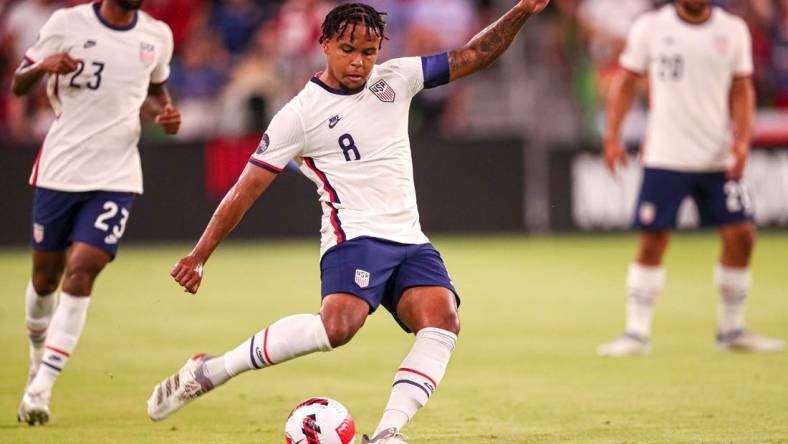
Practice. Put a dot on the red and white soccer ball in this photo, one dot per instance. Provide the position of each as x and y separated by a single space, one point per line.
320 421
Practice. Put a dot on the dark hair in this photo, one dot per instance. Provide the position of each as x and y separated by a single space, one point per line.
348 16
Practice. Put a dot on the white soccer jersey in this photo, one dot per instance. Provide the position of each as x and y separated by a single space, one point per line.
690 69
92 145
354 146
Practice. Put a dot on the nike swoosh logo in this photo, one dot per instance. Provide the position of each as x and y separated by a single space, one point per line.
331 124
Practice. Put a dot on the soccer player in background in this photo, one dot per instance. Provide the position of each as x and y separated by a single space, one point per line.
699 65
348 131
103 60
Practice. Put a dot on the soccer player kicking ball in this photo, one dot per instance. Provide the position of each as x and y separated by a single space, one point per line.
348 130
699 65
103 60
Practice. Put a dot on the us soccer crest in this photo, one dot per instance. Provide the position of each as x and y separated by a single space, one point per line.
383 91
147 53
362 278
38 233
647 213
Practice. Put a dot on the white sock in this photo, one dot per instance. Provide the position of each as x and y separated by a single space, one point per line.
283 340
644 284
418 376
64 332
733 284
38 314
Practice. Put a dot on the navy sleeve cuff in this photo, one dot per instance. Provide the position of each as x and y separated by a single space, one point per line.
436 70
265 165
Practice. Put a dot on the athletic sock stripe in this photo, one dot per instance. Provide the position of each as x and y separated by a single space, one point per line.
57 350
251 355
415 384
37 331
57 369
265 348
403 369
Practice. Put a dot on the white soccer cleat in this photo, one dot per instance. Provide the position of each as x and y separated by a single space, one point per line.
745 341
388 436
627 345
34 408
179 389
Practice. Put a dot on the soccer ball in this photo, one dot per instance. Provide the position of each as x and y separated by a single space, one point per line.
320 421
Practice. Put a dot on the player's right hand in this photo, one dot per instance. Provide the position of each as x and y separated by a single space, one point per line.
188 273
59 64
615 155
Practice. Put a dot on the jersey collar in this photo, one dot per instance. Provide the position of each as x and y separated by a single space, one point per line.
130 26
341 92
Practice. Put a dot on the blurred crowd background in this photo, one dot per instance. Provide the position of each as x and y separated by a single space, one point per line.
237 61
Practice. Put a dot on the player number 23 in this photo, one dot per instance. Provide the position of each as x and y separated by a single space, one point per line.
111 209
737 197
95 79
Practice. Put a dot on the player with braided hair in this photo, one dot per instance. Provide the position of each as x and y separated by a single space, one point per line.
348 131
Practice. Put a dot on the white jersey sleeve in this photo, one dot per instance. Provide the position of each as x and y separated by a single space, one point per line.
161 72
50 38
742 60
636 54
421 72
283 140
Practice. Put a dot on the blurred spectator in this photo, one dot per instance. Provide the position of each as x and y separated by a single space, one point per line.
237 20
238 61
779 55
183 16
607 23
24 20
436 26
299 27
196 79
256 89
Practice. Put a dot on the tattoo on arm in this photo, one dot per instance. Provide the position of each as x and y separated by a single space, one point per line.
486 46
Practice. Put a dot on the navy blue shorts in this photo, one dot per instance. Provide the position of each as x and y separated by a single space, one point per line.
379 271
97 218
720 201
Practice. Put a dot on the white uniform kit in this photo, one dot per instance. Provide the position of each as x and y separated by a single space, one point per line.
354 146
93 143
690 69
88 167
688 143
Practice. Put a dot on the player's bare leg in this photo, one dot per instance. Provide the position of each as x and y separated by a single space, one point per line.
430 312
341 316
40 301
732 278
84 264
645 280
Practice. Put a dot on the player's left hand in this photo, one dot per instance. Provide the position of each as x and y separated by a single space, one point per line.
533 6
740 153
169 119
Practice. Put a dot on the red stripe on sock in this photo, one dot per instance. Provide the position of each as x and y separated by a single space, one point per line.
265 348
37 331
57 350
434 384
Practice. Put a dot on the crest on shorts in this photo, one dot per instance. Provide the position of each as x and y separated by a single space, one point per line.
38 233
362 278
647 213
383 91
147 53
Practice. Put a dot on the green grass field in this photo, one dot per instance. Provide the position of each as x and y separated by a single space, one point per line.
534 310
